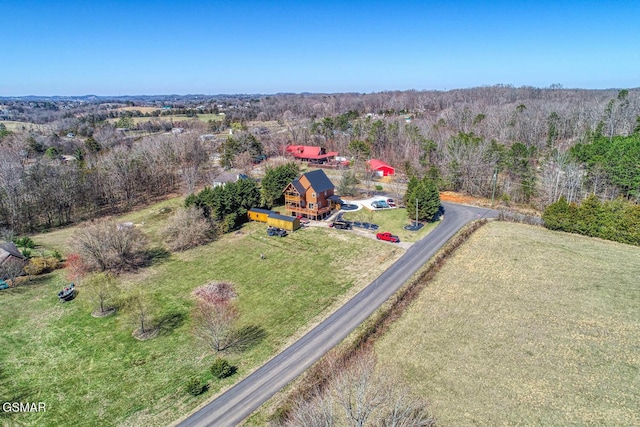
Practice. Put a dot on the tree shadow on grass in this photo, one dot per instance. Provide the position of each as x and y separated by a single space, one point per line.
169 322
13 390
156 255
247 337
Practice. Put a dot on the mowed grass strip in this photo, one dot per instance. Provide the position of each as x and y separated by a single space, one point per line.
391 220
93 372
524 326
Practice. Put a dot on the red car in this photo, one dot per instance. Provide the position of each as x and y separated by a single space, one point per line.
388 237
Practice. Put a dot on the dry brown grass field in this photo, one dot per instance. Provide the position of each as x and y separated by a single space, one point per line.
143 110
14 126
525 326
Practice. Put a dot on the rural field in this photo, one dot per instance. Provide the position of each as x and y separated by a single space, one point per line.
91 371
173 117
14 126
525 326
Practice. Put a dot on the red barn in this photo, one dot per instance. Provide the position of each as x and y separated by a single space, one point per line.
380 168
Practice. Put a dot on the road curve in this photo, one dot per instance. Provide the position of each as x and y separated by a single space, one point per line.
237 403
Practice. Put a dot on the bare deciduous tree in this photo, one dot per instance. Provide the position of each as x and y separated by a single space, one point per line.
318 411
105 245
103 290
359 391
214 315
360 395
187 229
11 269
141 310
191 155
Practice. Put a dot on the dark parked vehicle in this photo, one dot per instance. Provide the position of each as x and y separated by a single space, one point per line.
379 204
341 224
388 237
275 231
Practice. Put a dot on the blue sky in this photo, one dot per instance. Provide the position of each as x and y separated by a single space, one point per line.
215 47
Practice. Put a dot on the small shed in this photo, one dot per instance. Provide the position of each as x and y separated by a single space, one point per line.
256 214
380 168
290 223
11 260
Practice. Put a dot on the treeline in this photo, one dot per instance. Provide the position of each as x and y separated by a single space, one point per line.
616 220
510 143
614 159
227 204
45 193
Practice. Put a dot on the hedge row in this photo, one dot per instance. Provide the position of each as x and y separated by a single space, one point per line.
617 220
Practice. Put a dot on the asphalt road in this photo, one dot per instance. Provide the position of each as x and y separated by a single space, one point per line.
237 403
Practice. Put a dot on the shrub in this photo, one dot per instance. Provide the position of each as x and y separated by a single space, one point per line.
25 242
105 245
194 386
378 187
222 369
187 229
41 265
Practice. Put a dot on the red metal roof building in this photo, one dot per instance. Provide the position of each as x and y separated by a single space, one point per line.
380 167
311 154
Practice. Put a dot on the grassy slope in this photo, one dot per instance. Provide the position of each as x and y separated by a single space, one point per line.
91 371
526 326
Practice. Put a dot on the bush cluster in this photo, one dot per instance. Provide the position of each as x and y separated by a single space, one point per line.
228 203
41 265
24 242
221 368
194 386
617 220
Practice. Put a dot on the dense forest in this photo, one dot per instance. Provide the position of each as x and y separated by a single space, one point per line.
64 160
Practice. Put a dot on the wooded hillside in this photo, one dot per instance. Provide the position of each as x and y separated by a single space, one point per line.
70 160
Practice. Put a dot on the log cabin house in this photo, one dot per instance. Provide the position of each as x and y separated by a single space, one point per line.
311 196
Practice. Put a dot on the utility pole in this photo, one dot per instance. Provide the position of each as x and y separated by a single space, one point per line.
493 192
416 211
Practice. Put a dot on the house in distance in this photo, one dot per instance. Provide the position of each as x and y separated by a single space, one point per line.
311 196
311 154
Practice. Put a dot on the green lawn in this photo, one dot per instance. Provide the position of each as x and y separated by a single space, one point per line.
93 372
524 326
392 220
